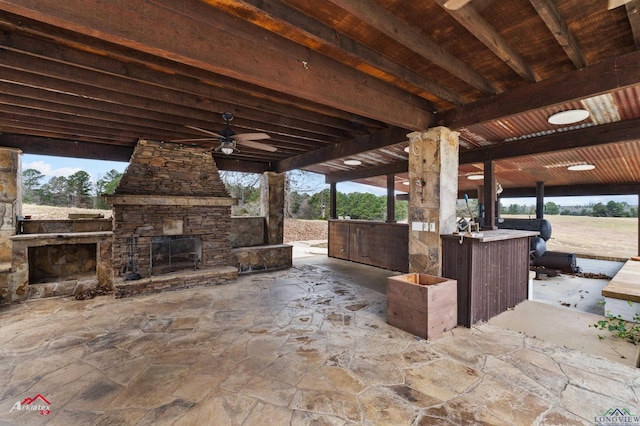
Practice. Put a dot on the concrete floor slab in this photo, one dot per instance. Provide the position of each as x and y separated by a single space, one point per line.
301 346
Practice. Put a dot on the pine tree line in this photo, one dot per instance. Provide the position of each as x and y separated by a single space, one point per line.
76 190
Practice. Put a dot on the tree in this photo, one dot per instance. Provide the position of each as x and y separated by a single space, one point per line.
107 185
54 192
551 208
615 209
599 210
31 185
79 189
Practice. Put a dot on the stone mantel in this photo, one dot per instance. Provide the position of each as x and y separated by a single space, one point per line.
168 200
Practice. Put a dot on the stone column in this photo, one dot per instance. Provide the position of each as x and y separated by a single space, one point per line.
10 198
272 206
433 174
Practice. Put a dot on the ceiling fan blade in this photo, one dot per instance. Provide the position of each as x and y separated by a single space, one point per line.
612 4
251 136
208 132
455 4
257 145
194 140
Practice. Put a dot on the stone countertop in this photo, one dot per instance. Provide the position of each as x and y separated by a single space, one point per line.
493 235
61 235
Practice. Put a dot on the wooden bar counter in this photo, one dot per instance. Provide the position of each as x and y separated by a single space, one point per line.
381 244
492 271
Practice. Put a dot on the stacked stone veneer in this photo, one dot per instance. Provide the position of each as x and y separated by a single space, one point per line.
169 189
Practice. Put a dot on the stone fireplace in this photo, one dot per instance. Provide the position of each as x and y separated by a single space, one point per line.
170 197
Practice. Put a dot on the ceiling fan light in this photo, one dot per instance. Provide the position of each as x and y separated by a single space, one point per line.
568 117
581 167
227 147
455 4
352 162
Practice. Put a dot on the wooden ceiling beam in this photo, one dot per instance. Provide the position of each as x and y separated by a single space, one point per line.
558 27
238 52
603 77
117 88
282 19
144 75
476 25
372 14
382 138
351 175
631 188
620 131
66 148
258 96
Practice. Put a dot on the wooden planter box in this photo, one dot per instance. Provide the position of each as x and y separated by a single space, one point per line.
421 304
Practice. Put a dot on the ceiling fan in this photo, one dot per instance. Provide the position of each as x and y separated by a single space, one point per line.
229 139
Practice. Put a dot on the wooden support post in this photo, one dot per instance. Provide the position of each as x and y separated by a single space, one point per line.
391 198
333 194
489 196
539 200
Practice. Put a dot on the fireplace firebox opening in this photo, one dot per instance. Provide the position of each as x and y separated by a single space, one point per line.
175 252
62 262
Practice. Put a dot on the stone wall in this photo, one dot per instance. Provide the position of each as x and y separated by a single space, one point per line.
247 231
10 198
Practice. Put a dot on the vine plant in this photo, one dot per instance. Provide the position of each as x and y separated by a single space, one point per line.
629 331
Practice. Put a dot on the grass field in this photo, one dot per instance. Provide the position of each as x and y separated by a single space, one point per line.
601 236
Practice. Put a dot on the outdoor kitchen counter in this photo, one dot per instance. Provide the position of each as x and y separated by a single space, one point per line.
495 235
492 271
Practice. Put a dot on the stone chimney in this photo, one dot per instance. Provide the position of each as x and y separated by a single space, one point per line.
169 192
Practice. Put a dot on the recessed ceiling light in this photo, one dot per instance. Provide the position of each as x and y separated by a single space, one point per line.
581 167
406 182
568 117
406 149
352 162
475 177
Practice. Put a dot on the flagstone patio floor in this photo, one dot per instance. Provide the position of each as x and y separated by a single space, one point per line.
296 347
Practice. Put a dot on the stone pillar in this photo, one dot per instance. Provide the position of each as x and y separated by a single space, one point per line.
433 174
10 198
272 206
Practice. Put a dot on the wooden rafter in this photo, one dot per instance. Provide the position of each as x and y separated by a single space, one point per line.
596 79
379 139
476 25
605 134
558 27
369 12
288 22
237 52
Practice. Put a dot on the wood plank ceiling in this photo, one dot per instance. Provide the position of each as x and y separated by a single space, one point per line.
330 80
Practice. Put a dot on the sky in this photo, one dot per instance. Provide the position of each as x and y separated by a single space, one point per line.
62 166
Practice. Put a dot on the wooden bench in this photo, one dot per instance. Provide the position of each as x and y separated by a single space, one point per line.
622 294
